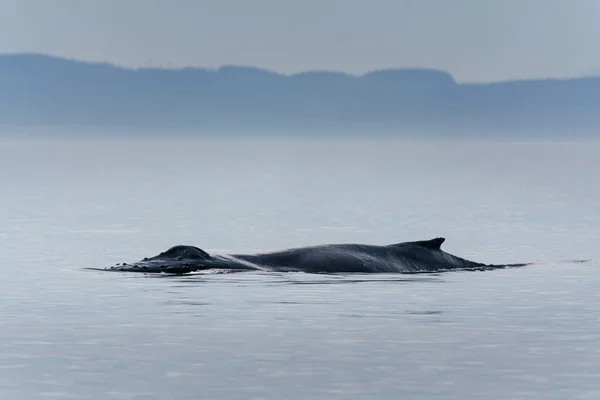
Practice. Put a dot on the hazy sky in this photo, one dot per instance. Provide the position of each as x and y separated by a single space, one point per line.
475 40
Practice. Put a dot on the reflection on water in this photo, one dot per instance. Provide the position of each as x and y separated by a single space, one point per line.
510 333
523 333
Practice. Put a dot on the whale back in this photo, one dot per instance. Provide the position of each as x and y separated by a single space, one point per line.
424 256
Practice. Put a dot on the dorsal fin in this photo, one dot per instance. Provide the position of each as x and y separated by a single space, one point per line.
433 244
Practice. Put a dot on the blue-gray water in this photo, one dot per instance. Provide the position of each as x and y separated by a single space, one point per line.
527 333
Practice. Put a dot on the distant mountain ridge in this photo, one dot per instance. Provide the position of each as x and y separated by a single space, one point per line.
43 91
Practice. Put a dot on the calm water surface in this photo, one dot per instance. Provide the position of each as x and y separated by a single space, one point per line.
527 333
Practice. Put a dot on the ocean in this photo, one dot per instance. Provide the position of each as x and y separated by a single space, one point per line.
522 333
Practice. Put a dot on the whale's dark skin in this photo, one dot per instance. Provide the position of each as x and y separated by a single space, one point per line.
409 257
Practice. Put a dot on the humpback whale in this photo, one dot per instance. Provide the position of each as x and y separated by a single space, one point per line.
425 256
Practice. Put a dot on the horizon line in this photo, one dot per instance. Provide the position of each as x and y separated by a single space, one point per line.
308 71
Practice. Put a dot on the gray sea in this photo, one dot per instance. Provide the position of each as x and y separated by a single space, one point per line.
524 333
